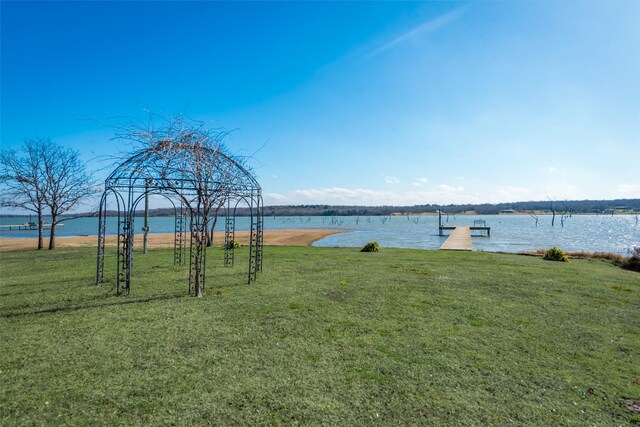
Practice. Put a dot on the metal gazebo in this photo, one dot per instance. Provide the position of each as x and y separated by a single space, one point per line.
197 178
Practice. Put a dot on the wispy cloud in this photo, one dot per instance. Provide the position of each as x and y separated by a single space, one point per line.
419 182
391 180
274 198
424 28
511 193
369 197
628 190
342 196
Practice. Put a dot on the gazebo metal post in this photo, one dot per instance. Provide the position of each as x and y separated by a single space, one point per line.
253 234
102 213
259 236
229 235
145 228
125 246
198 250
179 234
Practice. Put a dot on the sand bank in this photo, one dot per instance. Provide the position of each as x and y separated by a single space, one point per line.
295 237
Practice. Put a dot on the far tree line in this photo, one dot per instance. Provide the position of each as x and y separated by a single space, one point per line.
566 207
45 178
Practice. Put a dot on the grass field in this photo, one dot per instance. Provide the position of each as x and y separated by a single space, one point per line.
325 337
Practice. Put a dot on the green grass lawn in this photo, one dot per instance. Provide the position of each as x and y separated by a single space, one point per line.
324 337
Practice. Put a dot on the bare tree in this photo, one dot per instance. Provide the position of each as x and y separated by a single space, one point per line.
23 180
536 218
66 182
567 213
187 154
553 212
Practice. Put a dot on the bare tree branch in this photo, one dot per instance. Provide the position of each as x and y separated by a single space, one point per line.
189 160
565 214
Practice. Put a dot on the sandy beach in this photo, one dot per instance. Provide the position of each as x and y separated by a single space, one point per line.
292 237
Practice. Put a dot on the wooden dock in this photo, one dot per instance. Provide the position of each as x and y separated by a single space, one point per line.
26 227
459 240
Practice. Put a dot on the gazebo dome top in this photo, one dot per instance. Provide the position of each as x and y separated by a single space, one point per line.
183 166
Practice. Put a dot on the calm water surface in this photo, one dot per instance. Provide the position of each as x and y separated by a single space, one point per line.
509 233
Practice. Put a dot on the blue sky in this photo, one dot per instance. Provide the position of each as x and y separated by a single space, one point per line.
347 102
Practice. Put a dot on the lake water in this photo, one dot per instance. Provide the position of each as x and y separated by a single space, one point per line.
509 233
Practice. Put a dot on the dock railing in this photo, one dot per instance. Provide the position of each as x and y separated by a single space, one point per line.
478 225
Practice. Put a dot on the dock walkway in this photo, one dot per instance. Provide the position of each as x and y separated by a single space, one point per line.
459 240
29 226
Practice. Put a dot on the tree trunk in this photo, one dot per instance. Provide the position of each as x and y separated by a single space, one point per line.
197 287
40 231
208 237
52 235
200 248
213 226
553 212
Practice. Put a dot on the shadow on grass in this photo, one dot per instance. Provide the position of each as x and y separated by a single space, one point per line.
87 306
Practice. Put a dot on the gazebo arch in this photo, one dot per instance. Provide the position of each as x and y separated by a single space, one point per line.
197 177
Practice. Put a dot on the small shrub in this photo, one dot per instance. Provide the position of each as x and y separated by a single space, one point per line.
633 262
233 244
555 254
371 247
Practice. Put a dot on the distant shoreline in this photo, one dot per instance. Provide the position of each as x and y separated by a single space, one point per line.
466 213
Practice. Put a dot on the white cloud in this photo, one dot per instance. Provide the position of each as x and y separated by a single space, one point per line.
510 193
446 193
444 188
342 196
552 169
274 198
627 191
441 194
391 180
